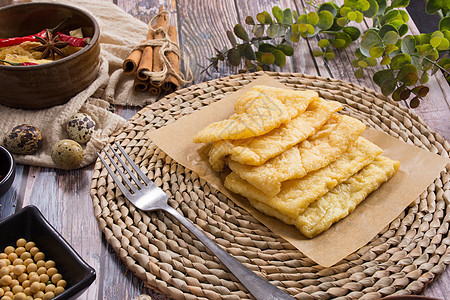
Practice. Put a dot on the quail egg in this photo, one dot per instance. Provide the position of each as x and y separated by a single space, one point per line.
67 154
80 128
23 139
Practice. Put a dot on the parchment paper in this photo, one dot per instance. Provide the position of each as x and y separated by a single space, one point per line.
418 169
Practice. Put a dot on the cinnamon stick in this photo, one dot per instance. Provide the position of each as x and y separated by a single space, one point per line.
130 64
146 63
171 82
161 22
140 85
154 90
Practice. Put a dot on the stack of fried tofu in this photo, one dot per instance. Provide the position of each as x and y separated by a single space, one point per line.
294 157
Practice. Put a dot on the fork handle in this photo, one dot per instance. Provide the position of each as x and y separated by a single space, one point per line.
258 287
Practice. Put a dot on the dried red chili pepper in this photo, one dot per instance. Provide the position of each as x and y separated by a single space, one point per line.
74 41
26 63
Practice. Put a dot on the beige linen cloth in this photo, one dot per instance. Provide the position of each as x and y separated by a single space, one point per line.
119 33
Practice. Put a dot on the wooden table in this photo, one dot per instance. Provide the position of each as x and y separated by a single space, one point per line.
63 196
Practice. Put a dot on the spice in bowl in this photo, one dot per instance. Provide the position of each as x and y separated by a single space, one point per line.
43 47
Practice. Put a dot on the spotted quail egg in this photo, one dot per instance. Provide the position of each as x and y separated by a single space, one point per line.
67 154
80 128
23 139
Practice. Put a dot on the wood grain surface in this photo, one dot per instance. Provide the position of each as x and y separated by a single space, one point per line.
63 196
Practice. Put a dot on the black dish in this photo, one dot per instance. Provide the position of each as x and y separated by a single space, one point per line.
29 223
7 170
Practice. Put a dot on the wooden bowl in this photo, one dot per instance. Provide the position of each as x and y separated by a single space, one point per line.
55 83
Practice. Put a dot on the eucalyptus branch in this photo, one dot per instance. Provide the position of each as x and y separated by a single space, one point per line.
274 34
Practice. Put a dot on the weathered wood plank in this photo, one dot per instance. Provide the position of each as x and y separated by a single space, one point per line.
201 28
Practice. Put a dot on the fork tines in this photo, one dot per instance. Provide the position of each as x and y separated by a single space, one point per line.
129 172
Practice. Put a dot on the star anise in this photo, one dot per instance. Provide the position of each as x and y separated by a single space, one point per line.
51 45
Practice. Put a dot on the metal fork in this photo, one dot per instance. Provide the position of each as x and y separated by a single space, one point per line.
148 197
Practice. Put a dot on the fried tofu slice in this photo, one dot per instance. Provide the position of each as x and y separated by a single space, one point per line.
257 112
297 194
343 199
320 149
257 150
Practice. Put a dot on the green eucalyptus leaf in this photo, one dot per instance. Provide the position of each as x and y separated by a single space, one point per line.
351 16
363 64
355 63
433 6
402 29
323 43
382 4
328 6
353 32
330 54
264 47
258 30
268 17
295 37
295 15
249 20
234 57
391 37
286 49
399 3
272 30
435 41
370 38
404 15
373 9
397 23
280 58
359 16
390 48
247 51
400 60
261 18
287 16
385 61
359 73
345 10
385 29
383 75
438 34
390 16
408 45
405 70
362 5
372 62
317 53
376 52
444 24
342 21
267 58
338 43
388 86
313 18
359 54
325 20
424 78
278 14
240 32
302 19
231 38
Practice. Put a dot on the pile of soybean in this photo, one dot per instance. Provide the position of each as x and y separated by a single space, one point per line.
26 275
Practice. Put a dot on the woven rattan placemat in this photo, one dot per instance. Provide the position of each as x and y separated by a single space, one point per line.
401 259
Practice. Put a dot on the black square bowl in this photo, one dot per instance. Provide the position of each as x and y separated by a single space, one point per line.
30 224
